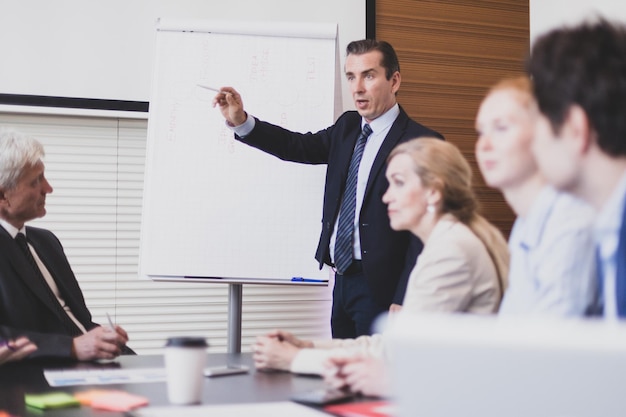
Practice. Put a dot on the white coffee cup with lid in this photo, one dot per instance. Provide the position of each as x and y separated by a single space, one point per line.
185 359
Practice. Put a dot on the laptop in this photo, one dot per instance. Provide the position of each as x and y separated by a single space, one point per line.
462 365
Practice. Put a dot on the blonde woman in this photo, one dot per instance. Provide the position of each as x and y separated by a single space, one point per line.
463 266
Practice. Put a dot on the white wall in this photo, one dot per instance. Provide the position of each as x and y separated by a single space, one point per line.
548 14
103 48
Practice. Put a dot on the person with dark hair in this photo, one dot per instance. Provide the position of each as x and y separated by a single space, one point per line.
372 262
389 60
579 77
40 299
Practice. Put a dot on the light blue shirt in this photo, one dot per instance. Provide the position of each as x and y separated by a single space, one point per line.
607 229
552 268
380 127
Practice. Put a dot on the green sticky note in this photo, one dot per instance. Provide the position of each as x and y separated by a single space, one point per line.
51 400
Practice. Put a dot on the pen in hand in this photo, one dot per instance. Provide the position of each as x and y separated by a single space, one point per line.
7 344
217 90
111 325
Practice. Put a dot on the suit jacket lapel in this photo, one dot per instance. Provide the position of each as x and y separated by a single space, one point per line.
391 140
346 152
47 257
25 270
621 267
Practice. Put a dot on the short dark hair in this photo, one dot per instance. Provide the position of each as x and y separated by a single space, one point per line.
390 59
584 65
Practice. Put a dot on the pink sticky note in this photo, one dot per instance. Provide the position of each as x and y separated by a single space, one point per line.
86 397
118 401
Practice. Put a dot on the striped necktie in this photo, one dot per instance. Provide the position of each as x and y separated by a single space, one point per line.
345 226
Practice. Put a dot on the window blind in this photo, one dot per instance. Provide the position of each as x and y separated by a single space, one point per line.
96 166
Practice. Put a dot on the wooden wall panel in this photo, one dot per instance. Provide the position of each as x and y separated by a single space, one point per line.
450 53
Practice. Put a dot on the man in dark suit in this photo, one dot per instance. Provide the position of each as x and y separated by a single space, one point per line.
372 261
39 295
579 76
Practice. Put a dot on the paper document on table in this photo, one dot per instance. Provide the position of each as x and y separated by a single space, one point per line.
272 409
68 377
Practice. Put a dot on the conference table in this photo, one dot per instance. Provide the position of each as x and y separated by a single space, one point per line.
17 379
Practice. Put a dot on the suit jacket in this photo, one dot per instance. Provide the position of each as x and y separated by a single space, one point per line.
620 279
387 256
26 309
454 273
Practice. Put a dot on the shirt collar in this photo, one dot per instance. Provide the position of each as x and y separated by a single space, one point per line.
12 230
534 223
384 120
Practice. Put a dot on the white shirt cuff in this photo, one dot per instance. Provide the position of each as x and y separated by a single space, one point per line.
243 129
310 361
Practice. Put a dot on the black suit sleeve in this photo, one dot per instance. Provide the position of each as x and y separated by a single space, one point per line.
413 251
306 148
48 344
